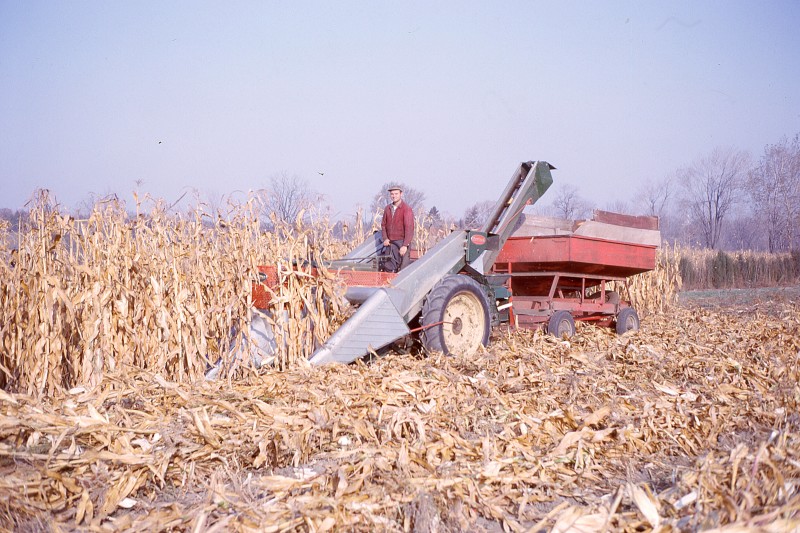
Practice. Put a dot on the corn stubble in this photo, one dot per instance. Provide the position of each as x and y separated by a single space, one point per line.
108 325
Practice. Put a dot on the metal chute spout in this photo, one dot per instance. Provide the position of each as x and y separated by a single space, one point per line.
376 323
527 185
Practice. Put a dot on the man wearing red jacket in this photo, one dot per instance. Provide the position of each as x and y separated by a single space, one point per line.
397 231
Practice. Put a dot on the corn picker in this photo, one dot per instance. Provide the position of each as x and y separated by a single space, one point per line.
507 273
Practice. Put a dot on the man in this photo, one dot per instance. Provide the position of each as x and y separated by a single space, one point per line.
397 231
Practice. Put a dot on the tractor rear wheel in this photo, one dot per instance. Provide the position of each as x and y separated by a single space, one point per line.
455 317
627 320
561 325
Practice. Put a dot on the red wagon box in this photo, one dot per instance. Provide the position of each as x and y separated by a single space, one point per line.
577 254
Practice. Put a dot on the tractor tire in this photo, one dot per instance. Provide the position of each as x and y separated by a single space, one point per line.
561 325
627 320
455 317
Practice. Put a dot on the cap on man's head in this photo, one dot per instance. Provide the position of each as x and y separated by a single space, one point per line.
395 187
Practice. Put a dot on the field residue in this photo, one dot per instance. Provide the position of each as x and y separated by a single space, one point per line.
691 423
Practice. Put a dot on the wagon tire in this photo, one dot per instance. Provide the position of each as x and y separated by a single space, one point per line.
455 317
627 320
561 325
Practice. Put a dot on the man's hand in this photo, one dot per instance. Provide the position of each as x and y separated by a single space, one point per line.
387 242
403 250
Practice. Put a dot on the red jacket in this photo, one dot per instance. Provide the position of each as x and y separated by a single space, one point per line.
400 226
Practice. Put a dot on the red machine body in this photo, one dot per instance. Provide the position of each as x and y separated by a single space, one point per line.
521 270
577 254
351 278
569 273
545 274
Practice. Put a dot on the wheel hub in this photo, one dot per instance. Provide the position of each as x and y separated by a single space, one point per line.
466 323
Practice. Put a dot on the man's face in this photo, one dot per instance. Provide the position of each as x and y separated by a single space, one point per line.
395 195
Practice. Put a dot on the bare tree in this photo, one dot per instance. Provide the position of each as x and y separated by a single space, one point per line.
654 198
476 215
711 187
288 196
744 233
569 205
84 208
13 217
413 197
215 202
775 190
619 206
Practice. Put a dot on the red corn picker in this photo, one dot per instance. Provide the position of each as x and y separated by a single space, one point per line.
520 271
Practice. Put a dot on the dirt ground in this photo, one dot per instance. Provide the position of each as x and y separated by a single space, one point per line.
690 424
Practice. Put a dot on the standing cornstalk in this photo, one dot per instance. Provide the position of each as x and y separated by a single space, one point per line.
157 291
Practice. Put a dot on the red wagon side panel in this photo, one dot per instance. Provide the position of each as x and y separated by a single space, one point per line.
578 254
261 296
351 278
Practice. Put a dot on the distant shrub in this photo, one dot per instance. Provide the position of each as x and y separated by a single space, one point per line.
722 270
688 271
707 269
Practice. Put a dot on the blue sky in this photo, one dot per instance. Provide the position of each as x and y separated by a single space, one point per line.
447 97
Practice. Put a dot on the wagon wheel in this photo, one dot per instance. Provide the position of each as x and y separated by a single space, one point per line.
561 325
627 320
455 317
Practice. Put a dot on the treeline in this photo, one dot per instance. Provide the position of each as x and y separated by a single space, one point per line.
707 269
15 217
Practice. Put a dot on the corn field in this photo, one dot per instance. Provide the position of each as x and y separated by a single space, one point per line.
167 293
156 292
110 323
656 291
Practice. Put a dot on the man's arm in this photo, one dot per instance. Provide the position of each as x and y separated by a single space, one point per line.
384 224
408 223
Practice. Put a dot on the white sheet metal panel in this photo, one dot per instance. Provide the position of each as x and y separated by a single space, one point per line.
376 323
